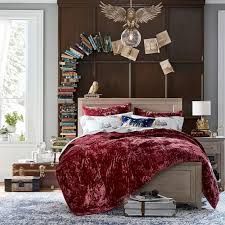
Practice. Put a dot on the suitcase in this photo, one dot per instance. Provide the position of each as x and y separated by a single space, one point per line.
22 184
46 172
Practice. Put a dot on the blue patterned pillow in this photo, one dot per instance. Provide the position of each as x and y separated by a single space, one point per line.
137 122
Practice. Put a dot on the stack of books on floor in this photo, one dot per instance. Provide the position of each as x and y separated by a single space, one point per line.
58 143
68 120
150 206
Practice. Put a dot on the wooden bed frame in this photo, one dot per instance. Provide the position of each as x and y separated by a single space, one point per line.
182 182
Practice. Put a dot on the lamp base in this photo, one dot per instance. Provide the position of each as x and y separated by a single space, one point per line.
202 124
202 128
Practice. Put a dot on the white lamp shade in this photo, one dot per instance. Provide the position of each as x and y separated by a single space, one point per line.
201 108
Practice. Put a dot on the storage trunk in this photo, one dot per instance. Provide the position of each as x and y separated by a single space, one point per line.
22 184
46 172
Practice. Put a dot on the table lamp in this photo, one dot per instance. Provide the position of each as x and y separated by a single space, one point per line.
201 108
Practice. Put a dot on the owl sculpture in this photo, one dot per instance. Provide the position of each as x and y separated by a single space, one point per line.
94 88
130 17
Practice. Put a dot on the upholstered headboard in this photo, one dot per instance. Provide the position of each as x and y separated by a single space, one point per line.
152 104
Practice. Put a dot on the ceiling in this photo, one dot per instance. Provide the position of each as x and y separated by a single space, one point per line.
55 1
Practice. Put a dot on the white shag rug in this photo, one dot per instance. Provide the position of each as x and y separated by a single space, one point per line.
49 208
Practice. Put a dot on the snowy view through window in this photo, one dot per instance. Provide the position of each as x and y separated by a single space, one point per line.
13 70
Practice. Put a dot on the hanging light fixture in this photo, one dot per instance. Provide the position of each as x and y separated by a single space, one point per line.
130 36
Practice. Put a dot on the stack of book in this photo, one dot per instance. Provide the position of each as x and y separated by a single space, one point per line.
142 206
58 143
68 119
97 42
69 79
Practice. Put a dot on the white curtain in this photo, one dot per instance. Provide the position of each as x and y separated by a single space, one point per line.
4 45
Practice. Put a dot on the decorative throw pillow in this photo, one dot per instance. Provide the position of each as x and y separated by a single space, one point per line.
106 111
172 122
91 124
128 121
142 112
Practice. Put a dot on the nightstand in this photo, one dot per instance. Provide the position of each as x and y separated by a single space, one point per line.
214 148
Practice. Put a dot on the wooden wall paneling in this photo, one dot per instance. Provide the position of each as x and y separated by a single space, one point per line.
113 79
149 30
184 19
72 25
87 72
186 83
147 80
186 30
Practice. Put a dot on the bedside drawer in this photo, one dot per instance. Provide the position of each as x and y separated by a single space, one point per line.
211 148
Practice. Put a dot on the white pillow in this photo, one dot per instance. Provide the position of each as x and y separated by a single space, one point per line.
172 122
92 124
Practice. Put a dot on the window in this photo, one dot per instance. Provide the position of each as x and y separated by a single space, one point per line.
21 72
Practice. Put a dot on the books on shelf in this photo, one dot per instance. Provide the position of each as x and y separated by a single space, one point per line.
150 206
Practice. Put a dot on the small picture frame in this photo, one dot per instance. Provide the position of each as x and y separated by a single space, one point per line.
166 67
163 39
151 46
130 53
117 47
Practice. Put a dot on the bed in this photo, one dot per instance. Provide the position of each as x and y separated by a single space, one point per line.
183 182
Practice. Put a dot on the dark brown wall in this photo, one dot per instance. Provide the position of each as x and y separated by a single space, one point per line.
184 21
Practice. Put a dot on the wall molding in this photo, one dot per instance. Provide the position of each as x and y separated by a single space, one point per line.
215 1
30 1
55 1
221 72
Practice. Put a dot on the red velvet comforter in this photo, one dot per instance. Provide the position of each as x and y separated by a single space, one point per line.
96 172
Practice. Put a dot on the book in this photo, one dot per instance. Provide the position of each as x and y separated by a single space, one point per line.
90 38
67 123
107 44
151 46
158 212
77 52
68 84
69 127
101 40
150 206
67 69
82 49
70 80
117 47
68 134
166 67
65 56
130 53
85 47
86 41
72 54
69 113
70 73
163 39
98 44
65 101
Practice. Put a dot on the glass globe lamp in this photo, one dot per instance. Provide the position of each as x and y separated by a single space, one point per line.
131 37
